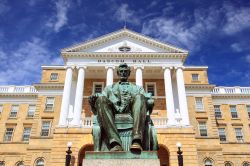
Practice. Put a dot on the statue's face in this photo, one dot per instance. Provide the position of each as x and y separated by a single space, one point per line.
124 74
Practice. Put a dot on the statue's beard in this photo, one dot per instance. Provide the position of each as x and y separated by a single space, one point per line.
124 78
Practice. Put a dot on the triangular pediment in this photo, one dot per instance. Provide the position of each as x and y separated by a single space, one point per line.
124 40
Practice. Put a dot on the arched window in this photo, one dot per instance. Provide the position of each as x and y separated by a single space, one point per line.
1 163
20 163
246 163
228 163
208 162
40 162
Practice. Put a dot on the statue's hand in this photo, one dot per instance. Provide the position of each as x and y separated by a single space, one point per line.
92 100
150 105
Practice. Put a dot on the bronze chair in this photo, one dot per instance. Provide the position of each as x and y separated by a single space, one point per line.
124 124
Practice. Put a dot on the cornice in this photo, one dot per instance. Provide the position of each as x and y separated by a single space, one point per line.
48 86
53 67
195 68
200 86
19 94
232 96
123 33
134 55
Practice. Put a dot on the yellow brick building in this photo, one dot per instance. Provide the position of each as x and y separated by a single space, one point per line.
212 123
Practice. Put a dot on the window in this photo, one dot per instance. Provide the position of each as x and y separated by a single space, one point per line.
217 111
228 163
31 111
248 110
199 104
195 77
45 128
26 134
49 103
20 163
40 162
53 76
97 87
239 134
208 162
233 111
8 134
13 111
1 110
222 134
246 163
151 88
203 128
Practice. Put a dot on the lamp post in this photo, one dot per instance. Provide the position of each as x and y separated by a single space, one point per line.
68 155
179 152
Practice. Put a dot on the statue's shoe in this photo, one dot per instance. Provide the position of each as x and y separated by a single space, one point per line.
116 148
135 147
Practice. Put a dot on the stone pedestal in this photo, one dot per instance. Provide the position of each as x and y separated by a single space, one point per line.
124 158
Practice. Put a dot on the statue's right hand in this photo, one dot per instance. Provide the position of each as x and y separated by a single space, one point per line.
93 98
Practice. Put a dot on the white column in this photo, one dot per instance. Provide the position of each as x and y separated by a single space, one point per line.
76 122
66 97
169 96
110 75
182 96
138 75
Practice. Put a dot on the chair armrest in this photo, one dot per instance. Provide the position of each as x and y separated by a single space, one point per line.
150 105
92 100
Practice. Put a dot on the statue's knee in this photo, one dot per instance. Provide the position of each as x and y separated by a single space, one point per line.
101 102
139 97
102 99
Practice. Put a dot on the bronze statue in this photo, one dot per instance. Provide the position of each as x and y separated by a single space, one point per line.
122 98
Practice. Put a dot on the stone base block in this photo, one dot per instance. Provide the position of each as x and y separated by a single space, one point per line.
121 162
121 159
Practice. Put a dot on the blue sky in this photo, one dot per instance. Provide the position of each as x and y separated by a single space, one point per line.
216 33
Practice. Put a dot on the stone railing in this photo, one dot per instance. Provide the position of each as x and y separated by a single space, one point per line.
231 90
87 122
160 122
17 89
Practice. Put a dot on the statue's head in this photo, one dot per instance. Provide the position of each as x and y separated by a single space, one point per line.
123 71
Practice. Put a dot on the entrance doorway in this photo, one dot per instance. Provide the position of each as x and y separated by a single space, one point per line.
163 155
81 155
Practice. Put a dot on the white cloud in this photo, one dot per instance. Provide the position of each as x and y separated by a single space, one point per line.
237 47
153 4
60 19
237 19
57 61
180 30
32 2
4 7
24 65
190 30
123 13
248 58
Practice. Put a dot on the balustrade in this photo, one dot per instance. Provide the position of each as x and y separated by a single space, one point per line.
17 89
159 122
231 90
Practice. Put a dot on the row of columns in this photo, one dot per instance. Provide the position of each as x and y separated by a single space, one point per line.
171 108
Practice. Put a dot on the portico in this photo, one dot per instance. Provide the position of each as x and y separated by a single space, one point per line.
148 59
171 75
